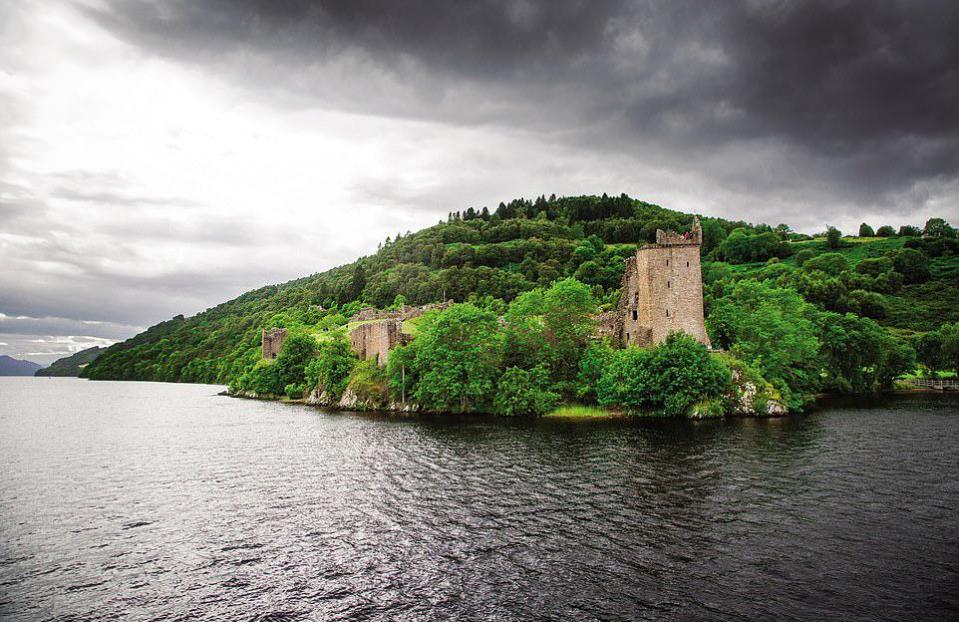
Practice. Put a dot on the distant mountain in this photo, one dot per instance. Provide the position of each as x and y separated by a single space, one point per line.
72 365
10 366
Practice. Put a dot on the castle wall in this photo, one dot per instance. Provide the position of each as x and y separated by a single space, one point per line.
375 339
271 342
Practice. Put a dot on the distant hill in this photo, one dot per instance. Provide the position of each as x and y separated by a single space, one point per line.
10 366
71 366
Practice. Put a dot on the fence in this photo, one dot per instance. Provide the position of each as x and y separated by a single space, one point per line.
942 384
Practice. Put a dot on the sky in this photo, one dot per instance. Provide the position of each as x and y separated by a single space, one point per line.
158 158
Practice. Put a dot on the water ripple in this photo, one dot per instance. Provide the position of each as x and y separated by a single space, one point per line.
148 501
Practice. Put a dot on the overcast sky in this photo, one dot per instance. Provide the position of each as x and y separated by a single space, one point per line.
159 158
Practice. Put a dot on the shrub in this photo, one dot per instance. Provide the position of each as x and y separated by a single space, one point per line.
874 266
804 255
868 304
522 392
667 379
295 390
369 382
913 265
865 231
830 263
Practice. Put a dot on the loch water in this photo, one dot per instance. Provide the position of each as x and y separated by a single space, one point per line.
144 501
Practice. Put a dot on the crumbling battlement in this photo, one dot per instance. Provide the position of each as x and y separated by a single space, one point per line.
403 313
271 341
375 339
662 291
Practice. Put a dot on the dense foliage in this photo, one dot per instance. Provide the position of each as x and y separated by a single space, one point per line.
802 314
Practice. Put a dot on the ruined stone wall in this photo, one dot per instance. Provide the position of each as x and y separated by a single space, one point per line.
403 313
271 341
375 339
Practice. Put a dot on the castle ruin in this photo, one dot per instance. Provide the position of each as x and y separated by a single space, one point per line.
271 341
662 291
375 339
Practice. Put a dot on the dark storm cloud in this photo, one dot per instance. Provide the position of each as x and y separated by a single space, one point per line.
861 95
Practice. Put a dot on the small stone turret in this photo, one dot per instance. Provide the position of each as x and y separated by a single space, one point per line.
271 341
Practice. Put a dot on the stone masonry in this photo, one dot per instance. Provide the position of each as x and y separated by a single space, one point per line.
271 341
662 291
375 339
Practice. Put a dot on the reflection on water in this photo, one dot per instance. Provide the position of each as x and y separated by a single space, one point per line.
139 500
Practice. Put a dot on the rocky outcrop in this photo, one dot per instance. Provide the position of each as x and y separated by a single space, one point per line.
351 401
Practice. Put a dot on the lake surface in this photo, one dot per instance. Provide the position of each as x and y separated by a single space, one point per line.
153 501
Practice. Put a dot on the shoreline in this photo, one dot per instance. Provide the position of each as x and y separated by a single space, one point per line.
579 412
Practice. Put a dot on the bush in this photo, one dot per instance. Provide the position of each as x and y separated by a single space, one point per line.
913 265
865 231
522 392
369 382
295 390
667 379
868 304
804 255
885 231
874 266
830 263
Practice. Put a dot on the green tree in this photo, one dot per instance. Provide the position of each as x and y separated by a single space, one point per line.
913 265
770 328
330 370
909 231
833 237
458 356
568 307
524 392
885 231
938 228
591 367
865 231
296 354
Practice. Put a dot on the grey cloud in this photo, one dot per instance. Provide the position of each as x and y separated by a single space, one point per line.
860 95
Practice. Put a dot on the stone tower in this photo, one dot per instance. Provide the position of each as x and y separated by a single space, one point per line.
663 290
271 342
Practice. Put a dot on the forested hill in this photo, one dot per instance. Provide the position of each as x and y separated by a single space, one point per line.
490 258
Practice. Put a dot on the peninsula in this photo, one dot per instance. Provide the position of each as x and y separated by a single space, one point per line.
592 302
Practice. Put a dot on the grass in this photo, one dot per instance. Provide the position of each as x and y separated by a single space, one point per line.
578 411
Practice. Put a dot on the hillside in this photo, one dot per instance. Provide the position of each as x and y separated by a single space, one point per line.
490 258
10 366
71 366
